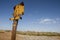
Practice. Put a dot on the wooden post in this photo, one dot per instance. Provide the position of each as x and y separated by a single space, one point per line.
13 35
18 12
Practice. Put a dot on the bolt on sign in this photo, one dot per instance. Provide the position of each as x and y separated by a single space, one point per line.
18 11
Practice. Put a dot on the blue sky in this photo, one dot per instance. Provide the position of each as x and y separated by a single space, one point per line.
39 15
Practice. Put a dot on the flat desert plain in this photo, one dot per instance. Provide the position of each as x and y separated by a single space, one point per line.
7 36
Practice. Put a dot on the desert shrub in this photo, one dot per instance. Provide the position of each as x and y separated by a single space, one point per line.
7 30
1 31
33 33
39 33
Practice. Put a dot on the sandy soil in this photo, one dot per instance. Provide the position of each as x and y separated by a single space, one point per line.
7 36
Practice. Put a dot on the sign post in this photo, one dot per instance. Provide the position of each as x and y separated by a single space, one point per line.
18 12
13 36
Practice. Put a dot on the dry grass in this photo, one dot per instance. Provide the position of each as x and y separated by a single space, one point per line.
38 33
7 36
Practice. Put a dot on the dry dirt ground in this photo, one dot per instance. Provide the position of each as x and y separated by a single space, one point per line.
7 36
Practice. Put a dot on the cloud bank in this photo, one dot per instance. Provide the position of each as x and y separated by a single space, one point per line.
47 21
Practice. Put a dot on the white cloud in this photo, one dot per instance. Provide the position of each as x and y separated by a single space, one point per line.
47 21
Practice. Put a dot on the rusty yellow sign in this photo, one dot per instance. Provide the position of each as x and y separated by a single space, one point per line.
18 11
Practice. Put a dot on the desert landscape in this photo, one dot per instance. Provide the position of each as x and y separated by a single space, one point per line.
30 19
6 35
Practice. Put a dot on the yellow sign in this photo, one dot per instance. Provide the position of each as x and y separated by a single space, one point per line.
18 11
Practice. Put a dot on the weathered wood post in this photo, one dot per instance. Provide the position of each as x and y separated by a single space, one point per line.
18 12
13 36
